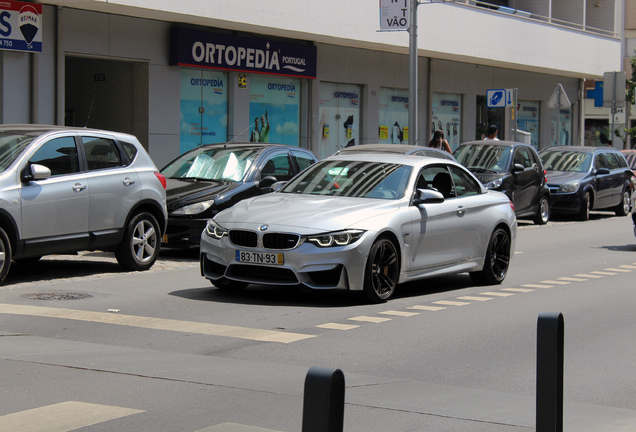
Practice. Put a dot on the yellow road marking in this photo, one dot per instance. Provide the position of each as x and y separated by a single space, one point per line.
62 417
155 323
537 286
399 313
521 290
474 298
556 282
589 276
376 320
497 294
336 326
234 427
620 270
451 303
604 273
427 308
628 266
571 279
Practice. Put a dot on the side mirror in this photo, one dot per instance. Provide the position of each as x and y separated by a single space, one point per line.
518 168
267 182
278 186
602 171
35 172
427 196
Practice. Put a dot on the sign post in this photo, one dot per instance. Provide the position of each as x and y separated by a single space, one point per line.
402 15
614 94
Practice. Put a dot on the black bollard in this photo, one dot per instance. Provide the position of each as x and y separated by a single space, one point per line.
550 372
323 405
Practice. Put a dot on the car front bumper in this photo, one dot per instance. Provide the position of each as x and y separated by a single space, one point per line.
339 267
183 232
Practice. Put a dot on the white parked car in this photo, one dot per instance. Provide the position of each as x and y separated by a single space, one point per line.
363 222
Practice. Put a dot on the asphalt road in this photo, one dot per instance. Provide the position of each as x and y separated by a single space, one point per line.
87 346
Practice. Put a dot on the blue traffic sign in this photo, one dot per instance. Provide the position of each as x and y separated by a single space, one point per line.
496 98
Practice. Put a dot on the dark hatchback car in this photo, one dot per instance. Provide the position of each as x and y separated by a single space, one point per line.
512 168
213 177
398 149
587 178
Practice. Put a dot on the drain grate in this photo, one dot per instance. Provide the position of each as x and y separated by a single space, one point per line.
56 296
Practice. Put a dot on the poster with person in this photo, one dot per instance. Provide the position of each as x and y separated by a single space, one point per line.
446 113
274 110
394 116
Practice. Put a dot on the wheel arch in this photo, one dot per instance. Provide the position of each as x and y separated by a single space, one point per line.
151 207
7 223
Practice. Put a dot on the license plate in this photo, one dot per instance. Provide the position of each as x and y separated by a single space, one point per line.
260 257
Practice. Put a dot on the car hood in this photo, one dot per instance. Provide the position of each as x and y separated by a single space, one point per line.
181 191
303 213
560 177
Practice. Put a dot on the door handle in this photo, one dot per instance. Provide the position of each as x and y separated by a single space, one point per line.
128 181
461 210
78 187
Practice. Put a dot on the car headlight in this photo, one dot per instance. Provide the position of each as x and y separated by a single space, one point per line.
215 230
193 209
495 184
339 238
569 187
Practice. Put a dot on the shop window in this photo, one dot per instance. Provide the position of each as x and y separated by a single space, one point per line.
447 113
528 121
394 116
561 129
339 117
275 110
203 108
488 116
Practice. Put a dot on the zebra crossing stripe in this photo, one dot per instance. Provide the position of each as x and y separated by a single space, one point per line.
62 417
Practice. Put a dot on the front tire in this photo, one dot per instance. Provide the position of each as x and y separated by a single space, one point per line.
584 210
543 212
5 255
623 208
497 259
382 271
140 245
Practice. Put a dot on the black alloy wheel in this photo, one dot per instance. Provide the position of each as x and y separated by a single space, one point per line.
382 271
497 259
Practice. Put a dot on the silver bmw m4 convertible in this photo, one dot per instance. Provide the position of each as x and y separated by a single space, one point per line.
363 222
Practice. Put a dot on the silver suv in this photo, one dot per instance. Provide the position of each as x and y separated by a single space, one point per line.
64 190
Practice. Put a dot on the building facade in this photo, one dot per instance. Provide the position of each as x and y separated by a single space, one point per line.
319 75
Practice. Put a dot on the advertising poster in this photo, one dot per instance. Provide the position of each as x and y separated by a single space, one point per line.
528 120
20 26
274 110
339 117
203 108
394 116
446 110
562 127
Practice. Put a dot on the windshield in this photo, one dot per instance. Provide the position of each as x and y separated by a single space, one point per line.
212 164
352 179
571 161
12 144
484 157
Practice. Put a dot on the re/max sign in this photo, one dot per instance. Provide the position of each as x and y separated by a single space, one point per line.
20 26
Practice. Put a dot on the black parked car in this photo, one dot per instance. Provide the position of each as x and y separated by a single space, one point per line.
512 168
587 178
213 177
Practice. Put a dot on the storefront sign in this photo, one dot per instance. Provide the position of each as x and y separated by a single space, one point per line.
194 48
20 26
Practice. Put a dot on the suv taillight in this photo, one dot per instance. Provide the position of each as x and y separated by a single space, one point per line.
162 179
